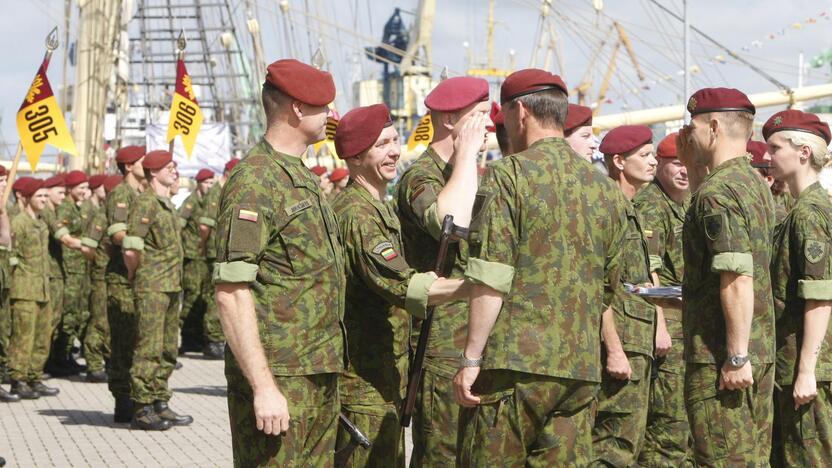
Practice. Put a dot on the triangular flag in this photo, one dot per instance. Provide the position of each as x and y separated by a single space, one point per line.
40 120
421 136
185 114
329 138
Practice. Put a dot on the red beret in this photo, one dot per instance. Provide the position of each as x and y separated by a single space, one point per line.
204 174
359 129
3 170
625 138
54 181
318 170
529 81
156 160
577 117
96 181
667 147
719 100
457 93
305 83
339 173
798 121
130 154
758 150
497 117
74 178
230 164
31 186
111 182
20 184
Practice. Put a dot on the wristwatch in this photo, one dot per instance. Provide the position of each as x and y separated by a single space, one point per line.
465 362
738 360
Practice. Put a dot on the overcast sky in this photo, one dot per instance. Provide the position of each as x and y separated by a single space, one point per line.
769 33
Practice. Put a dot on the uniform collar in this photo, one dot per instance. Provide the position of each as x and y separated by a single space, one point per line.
446 168
809 191
742 160
382 207
282 158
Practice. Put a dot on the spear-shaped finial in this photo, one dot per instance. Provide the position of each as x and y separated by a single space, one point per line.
318 59
52 39
444 75
181 43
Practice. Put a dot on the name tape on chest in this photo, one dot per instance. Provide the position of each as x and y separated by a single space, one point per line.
298 207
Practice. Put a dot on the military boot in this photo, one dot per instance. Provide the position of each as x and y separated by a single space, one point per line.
7 397
213 350
123 412
96 377
164 412
23 390
146 419
42 389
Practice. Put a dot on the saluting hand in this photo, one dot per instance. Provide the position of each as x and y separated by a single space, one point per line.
736 378
470 137
805 389
272 411
463 381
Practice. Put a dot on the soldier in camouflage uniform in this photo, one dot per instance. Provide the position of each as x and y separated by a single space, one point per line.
728 320
626 326
801 275
662 205
382 291
153 256
442 181
70 220
5 280
121 315
761 160
280 284
95 246
577 131
29 294
195 272
545 256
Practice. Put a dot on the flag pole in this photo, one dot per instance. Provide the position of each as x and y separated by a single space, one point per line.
51 44
180 55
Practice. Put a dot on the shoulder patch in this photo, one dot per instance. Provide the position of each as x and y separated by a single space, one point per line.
422 198
648 233
298 207
381 247
248 215
713 224
145 220
814 251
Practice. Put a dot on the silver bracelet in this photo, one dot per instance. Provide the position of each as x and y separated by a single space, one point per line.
465 362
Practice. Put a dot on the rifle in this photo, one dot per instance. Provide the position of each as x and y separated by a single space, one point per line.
357 438
442 268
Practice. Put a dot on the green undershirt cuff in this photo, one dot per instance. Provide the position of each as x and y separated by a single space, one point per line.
497 276
656 263
87 242
63 231
207 221
115 228
418 289
815 290
234 272
132 243
431 221
733 262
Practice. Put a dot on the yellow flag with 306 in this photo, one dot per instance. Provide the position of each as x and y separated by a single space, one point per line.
40 121
421 136
185 114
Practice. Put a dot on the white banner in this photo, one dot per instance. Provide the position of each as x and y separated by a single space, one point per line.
212 149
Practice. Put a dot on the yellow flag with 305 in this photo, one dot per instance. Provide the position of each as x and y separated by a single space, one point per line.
40 120
421 136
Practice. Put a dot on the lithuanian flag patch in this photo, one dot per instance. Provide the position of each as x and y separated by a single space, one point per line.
247 215
385 249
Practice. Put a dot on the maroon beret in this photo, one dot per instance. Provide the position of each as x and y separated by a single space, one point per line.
577 117
719 100
529 81
303 82
230 164
130 154
20 184
497 117
111 182
56 180
339 173
667 147
157 159
74 178
457 93
318 170
798 121
204 174
3 170
31 186
96 181
625 138
758 150
359 129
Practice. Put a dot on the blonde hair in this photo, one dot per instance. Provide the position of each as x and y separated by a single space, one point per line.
820 152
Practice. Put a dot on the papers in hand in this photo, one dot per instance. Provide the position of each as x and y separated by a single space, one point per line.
659 292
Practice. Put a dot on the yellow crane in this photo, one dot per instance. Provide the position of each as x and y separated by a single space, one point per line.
489 70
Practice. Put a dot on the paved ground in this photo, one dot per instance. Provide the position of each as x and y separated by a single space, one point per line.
76 429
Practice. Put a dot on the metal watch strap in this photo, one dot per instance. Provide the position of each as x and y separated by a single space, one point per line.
465 362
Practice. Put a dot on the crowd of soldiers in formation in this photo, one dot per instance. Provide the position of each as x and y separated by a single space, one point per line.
538 354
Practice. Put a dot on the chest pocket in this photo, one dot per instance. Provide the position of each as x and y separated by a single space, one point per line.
305 238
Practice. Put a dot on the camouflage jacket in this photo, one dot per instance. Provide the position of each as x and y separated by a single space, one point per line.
189 212
415 197
728 228
550 239
277 232
153 230
783 203
29 258
94 237
208 216
801 269
71 218
380 286
56 254
118 207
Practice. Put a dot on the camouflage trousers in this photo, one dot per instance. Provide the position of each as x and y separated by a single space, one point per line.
729 428
97 336
436 415
621 420
313 408
380 423
528 420
195 274
30 339
76 313
56 304
211 322
805 434
157 339
5 325
122 319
